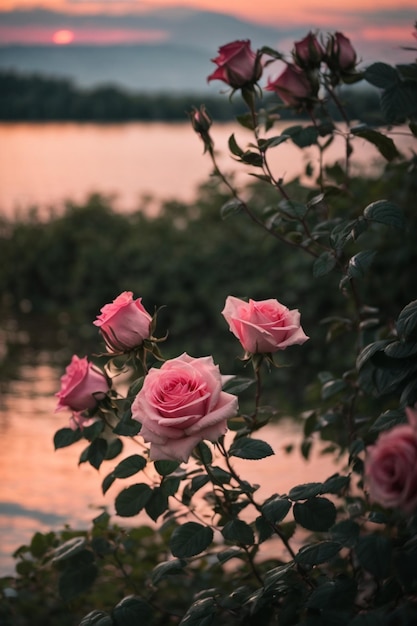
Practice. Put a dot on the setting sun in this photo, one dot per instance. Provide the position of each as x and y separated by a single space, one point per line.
62 37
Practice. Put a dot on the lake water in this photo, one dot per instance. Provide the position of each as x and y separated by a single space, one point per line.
46 164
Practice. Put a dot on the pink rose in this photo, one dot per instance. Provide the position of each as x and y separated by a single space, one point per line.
238 65
340 54
124 323
82 386
181 404
263 326
391 468
292 86
308 52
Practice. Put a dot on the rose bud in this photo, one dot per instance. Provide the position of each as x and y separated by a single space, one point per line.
237 65
263 326
124 323
293 87
82 386
340 54
201 122
180 404
308 53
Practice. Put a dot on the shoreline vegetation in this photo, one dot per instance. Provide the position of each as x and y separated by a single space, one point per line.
34 97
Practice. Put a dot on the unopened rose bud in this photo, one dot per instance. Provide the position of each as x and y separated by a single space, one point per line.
340 54
201 122
200 119
293 87
237 65
308 53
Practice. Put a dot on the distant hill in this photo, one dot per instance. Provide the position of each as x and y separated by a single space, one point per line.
146 67
178 62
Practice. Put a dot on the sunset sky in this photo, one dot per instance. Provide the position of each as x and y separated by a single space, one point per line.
374 22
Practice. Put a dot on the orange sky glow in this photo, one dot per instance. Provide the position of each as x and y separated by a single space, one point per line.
318 14
262 10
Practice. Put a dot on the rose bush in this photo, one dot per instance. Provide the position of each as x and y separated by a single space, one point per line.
82 386
181 404
237 65
124 323
332 549
263 326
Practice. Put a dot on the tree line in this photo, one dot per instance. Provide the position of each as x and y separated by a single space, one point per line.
33 97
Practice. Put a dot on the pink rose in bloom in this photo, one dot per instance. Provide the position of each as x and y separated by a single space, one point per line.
82 386
340 53
391 468
308 52
124 323
180 404
238 65
263 326
292 86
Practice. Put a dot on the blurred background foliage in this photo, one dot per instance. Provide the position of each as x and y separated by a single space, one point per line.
56 274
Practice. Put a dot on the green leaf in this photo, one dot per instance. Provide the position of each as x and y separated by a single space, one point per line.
272 142
384 144
302 136
399 103
252 158
385 212
238 531
158 504
264 528
293 208
203 453
374 554
275 510
332 387
97 452
166 467
324 264
93 431
78 576
231 207
190 539
167 568
306 491
97 618
227 555
316 514
200 613
406 324
132 500
245 120
68 549
129 466
360 263
345 532
317 553
132 611
253 449
114 448
127 427
107 482
381 75
66 437
234 147
335 484
237 384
